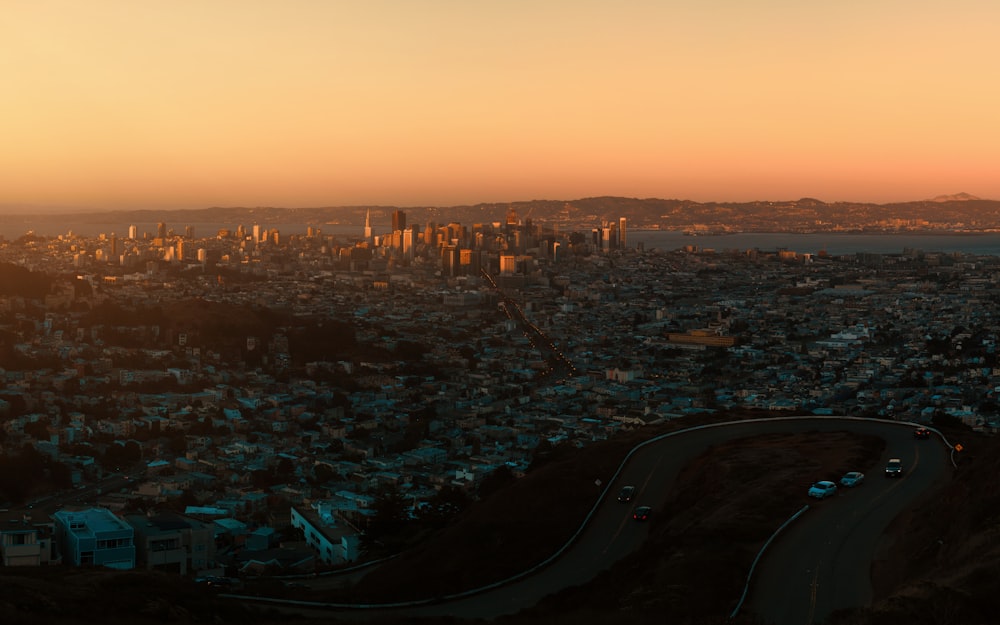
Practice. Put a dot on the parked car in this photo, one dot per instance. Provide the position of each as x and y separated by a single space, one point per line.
642 513
823 489
852 479
894 468
921 433
626 494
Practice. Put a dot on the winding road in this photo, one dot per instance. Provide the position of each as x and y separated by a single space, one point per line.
820 563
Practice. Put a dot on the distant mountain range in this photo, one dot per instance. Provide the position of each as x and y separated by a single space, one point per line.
957 197
958 212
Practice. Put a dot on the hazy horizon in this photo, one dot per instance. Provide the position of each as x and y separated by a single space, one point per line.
117 105
12 211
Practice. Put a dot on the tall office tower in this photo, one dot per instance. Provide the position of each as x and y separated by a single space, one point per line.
256 233
398 221
132 232
469 261
180 249
241 232
161 230
368 226
114 248
189 232
449 260
508 264
622 233
408 250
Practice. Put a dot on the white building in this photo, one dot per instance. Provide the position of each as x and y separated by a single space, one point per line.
336 543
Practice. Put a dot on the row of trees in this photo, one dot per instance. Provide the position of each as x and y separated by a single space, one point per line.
26 472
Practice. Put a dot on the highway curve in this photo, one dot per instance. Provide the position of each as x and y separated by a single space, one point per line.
820 563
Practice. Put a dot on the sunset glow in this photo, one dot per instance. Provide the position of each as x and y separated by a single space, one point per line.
113 104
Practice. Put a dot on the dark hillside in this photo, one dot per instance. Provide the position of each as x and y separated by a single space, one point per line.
946 554
949 548
695 562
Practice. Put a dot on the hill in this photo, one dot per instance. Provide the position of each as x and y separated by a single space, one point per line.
945 555
960 212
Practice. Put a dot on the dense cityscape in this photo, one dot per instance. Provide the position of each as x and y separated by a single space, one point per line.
249 403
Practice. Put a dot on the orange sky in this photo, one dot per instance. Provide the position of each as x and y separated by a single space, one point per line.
112 104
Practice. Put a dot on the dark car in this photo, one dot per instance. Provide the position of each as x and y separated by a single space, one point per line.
626 494
894 468
642 513
921 433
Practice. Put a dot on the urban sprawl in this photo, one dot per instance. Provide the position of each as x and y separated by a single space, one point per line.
471 348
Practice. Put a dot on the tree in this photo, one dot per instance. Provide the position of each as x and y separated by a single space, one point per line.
495 480
386 526
285 468
323 473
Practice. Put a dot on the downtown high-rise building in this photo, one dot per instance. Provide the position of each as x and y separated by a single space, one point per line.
408 244
398 221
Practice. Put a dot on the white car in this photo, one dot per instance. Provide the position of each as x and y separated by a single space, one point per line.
852 479
823 489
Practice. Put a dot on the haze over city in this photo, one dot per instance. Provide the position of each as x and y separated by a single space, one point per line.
113 104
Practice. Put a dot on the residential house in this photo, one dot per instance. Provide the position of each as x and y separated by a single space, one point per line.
94 537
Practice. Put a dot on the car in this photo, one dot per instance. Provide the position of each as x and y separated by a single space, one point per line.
642 513
852 479
626 494
921 433
823 489
894 468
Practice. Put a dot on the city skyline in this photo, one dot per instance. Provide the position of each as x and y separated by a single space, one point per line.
113 105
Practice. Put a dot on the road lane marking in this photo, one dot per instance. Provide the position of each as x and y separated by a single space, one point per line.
813 591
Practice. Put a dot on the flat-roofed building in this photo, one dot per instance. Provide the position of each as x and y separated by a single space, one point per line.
172 542
94 537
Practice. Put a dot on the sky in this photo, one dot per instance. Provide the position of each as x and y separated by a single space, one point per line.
119 104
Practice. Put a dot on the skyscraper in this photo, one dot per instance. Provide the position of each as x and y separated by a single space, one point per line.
408 244
449 260
368 226
622 237
398 221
